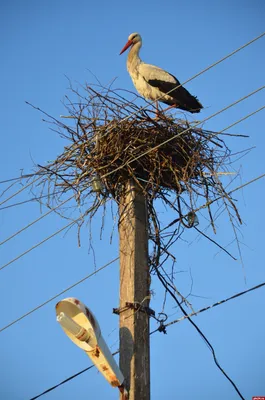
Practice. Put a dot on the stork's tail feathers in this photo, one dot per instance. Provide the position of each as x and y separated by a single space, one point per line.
194 105
191 104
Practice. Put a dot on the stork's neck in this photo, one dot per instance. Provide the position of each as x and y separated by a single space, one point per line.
133 59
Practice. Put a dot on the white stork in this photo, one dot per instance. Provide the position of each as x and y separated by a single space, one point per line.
154 83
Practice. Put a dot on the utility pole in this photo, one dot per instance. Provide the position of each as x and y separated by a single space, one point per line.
134 293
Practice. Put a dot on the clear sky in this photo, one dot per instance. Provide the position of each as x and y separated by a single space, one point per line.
43 44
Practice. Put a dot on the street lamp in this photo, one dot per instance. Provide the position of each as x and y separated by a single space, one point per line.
81 326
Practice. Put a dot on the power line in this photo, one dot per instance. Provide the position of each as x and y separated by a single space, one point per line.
39 173
20 190
241 119
68 379
27 201
61 383
166 325
18 178
58 294
246 184
51 236
38 244
36 220
223 59
214 305
216 199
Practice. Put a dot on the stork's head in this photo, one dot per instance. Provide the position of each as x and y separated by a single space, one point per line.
132 40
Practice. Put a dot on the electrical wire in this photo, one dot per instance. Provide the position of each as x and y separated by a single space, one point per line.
241 119
61 383
221 60
52 235
246 184
166 325
36 220
68 379
213 305
39 174
27 201
58 294
18 178
40 243
20 190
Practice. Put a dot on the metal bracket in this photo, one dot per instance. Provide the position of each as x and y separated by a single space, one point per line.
136 307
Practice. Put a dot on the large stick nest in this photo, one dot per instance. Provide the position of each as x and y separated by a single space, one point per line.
158 156
112 140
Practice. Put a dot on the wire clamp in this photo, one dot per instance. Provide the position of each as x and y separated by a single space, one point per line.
162 317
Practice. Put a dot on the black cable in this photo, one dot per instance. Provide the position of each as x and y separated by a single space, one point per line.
218 303
165 284
61 383
67 379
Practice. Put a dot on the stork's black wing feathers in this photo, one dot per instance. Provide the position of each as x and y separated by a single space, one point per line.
180 97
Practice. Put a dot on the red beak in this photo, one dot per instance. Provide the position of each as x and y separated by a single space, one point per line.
128 44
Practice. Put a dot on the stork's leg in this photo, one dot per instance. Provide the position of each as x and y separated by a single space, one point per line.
157 110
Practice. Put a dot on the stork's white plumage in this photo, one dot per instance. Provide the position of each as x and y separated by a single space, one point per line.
154 83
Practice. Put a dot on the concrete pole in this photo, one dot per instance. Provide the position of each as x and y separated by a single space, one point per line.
134 289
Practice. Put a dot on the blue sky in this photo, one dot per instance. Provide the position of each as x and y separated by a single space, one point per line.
43 44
